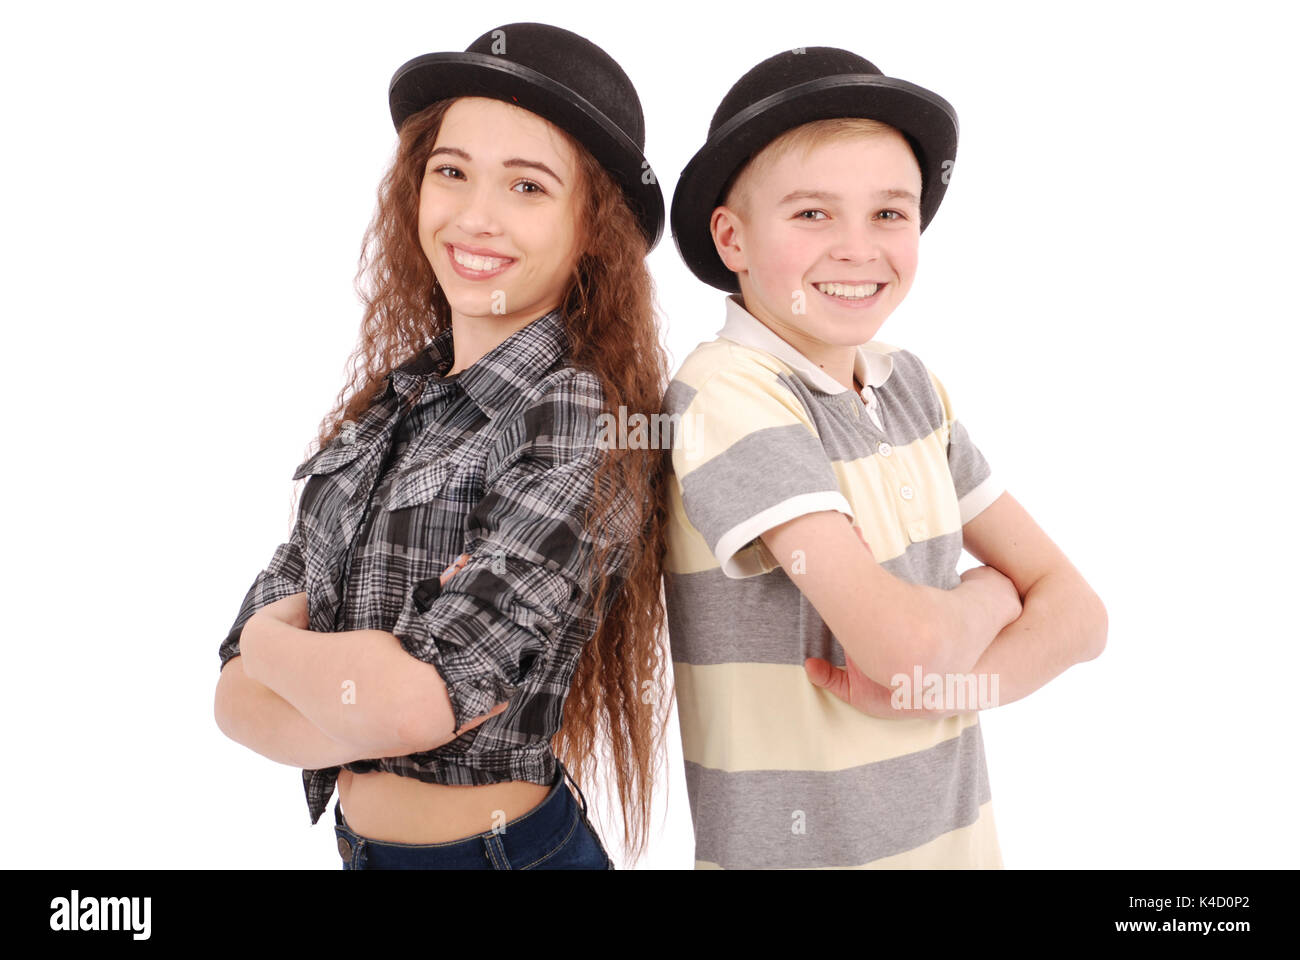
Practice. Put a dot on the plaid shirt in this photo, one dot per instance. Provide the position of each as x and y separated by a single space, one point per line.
497 461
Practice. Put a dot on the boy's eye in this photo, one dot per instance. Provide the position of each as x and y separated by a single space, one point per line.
800 214
897 215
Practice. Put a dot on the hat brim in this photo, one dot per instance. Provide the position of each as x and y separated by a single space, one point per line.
440 76
927 121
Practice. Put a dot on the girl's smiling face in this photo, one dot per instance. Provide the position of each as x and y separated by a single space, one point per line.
499 211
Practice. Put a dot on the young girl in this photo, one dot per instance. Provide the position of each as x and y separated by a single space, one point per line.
448 702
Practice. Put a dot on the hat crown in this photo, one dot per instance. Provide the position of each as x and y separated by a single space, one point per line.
786 69
575 62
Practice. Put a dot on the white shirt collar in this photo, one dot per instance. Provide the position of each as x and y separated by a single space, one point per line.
743 327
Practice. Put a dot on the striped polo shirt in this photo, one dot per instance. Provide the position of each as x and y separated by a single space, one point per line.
779 772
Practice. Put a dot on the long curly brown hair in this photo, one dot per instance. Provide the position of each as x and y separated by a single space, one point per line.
620 696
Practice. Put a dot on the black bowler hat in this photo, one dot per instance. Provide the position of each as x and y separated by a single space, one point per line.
790 89
557 75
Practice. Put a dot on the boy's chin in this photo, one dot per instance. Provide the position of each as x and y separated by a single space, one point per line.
844 327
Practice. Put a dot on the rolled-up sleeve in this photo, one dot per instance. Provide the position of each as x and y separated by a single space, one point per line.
498 617
283 577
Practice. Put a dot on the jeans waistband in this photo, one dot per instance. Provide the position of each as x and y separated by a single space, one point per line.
545 820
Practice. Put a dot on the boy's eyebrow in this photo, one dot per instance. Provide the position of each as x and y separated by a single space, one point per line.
512 162
891 194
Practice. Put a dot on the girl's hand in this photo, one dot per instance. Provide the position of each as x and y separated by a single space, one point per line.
454 569
291 610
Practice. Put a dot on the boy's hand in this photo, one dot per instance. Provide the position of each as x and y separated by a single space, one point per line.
1004 600
858 531
862 693
852 686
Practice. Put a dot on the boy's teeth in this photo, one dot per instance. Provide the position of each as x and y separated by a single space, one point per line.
476 262
849 292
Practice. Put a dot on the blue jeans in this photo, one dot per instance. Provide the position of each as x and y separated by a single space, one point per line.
554 835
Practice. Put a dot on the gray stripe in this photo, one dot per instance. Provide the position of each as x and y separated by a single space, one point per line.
712 492
715 619
909 407
909 410
678 397
965 462
745 819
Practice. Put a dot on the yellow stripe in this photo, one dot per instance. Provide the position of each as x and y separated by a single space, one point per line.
765 716
739 401
871 482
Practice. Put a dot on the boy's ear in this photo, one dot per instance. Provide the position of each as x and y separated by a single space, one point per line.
726 226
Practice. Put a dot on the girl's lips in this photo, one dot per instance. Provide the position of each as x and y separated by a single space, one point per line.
856 304
471 274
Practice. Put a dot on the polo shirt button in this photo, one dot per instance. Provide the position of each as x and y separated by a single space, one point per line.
345 848
885 449
906 492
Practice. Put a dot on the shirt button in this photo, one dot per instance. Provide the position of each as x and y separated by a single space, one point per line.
905 491
885 449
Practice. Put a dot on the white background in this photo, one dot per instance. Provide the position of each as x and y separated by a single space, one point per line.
1107 292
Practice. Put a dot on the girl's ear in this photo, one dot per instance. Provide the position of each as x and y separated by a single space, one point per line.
726 228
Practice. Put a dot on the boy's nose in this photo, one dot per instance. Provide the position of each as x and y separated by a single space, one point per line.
854 243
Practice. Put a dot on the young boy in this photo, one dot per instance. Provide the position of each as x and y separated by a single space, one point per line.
823 493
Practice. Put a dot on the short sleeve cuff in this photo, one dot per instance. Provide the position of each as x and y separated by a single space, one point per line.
739 563
974 503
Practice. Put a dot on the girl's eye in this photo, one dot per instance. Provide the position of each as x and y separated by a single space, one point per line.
536 187
801 213
447 166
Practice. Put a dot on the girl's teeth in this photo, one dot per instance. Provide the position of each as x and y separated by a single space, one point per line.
476 262
849 292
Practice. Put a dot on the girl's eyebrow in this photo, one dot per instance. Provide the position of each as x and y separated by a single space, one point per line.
535 164
512 162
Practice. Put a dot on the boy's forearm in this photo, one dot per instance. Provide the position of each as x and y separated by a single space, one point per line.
1063 623
266 723
349 684
961 626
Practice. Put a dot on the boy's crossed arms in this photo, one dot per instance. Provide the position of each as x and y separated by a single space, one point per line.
1026 616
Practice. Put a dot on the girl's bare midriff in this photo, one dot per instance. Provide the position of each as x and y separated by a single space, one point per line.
384 806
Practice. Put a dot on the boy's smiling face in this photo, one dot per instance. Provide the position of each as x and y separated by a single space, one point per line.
848 213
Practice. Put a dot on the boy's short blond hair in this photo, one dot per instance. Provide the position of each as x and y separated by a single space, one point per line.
735 194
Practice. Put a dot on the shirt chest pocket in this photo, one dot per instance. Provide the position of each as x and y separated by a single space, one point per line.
332 484
327 516
453 469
